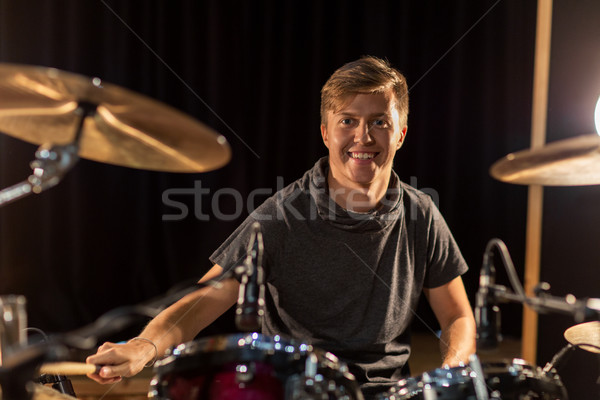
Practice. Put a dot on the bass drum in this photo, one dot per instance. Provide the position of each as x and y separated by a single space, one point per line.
251 367
514 380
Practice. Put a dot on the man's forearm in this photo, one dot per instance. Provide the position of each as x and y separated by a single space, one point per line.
182 321
457 341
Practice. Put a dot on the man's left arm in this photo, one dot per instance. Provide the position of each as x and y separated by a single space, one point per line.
455 316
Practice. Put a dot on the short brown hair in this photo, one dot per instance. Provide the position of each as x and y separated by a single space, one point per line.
366 75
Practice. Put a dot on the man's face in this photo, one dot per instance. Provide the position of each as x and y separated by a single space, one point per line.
362 138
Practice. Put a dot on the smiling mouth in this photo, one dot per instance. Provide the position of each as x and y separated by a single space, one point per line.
361 155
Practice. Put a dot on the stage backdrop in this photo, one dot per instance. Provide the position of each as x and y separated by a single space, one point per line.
106 237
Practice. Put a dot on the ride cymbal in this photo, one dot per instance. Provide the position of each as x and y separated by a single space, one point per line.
568 162
41 105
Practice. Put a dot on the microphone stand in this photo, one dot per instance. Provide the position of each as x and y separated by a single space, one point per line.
541 302
251 297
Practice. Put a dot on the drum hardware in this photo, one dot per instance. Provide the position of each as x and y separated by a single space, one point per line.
568 162
479 385
60 383
245 373
429 392
56 377
251 296
559 357
51 164
316 386
20 367
514 380
112 125
430 387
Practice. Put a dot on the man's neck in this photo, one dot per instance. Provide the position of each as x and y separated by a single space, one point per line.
355 197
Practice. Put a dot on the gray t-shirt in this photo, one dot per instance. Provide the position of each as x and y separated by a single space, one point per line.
346 282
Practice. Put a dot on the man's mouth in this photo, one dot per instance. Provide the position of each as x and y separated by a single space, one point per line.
361 155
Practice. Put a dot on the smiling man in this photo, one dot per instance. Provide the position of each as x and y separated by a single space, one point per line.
348 250
362 137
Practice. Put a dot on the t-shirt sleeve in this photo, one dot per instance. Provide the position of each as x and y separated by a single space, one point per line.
445 261
234 249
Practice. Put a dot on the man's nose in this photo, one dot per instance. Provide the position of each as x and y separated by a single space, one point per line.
362 134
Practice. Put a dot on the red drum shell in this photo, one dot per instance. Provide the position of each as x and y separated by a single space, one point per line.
250 367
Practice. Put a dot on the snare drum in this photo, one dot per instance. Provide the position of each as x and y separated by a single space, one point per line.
251 367
514 380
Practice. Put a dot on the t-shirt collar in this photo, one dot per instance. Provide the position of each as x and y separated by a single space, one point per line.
388 210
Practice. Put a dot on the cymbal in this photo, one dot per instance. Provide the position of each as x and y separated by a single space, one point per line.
587 333
567 162
40 105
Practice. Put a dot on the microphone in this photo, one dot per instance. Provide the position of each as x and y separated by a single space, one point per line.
487 313
251 296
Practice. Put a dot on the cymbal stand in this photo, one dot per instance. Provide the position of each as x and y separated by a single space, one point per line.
51 164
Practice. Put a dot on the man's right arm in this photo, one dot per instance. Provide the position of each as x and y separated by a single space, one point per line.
179 323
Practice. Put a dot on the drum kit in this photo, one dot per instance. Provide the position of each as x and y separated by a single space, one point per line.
71 116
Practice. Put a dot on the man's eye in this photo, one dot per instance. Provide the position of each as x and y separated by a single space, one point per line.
346 121
379 123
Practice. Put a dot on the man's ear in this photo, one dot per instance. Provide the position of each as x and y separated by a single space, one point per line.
324 135
402 136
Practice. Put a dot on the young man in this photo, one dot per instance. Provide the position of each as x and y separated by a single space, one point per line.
348 250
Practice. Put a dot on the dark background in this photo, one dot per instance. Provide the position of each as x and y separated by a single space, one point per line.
253 71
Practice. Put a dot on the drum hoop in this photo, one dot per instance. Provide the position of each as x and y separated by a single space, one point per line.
239 340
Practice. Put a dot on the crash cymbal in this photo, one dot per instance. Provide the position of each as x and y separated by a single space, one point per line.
584 334
40 105
568 162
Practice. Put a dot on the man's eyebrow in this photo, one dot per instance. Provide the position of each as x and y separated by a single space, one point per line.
354 114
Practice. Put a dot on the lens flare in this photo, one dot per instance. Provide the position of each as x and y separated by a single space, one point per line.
597 116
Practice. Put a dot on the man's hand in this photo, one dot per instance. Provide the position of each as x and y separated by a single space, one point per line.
121 360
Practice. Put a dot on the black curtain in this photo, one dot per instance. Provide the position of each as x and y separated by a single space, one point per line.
252 70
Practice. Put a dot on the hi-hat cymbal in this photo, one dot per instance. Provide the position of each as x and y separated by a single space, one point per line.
567 162
584 334
39 105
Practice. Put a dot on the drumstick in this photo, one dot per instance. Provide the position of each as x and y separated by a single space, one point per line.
69 368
